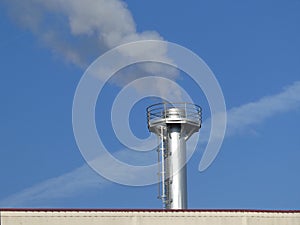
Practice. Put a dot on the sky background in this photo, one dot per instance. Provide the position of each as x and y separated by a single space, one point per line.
253 48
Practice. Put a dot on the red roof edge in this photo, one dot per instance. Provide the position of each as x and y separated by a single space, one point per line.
144 210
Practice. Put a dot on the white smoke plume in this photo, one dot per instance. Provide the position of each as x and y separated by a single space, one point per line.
78 30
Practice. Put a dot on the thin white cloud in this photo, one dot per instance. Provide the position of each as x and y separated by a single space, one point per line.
243 117
63 186
83 178
75 182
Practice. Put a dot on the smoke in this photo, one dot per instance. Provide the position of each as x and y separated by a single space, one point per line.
78 30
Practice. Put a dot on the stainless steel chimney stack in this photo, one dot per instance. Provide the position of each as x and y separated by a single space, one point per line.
173 123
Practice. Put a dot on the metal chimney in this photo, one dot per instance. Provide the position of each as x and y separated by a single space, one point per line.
173 123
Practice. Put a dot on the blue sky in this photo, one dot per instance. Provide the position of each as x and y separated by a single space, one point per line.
253 49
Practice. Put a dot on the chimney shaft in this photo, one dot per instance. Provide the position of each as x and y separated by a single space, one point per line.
176 167
173 123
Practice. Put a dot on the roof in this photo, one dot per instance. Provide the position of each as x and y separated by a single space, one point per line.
57 216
